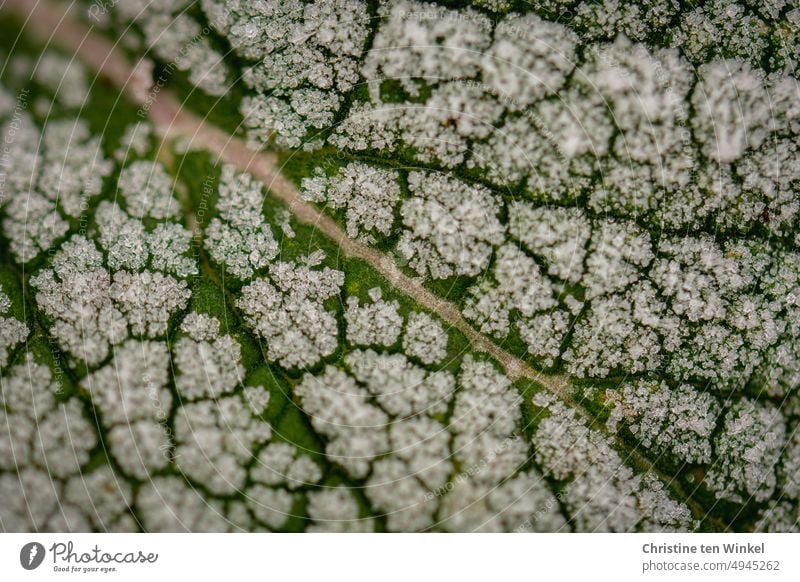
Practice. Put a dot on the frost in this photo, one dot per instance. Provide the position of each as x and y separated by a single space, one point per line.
129 245
103 499
558 235
724 27
339 409
75 293
425 338
215 441
619 332
122 237
544 335
616 254
637 20
147 300
92 309
733 109
32 226
242 241
400 387
136 140
12 331
426 41
176 38
451 227
31 221
748 449
241 250
132 396
536 269
201 327
305 58
73 165
415 450
778 518
65 77
169 244
270 506
280 463
530 58
679 421
28 395
34 504
482 497
170 505
335 510
485 420
548 150
44 440
241 197
376 323
207 363
368 196
289 313
147 190
439 131
516 287
521 504
604 494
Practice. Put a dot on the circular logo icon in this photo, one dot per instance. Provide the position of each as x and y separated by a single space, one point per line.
31 555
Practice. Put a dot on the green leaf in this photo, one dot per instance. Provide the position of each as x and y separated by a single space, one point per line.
356 266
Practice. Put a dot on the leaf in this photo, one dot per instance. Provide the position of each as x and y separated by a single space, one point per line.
341 266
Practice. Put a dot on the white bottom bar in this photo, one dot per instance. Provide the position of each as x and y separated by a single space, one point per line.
379 557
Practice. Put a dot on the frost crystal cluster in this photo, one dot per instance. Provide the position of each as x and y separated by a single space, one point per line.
352 266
